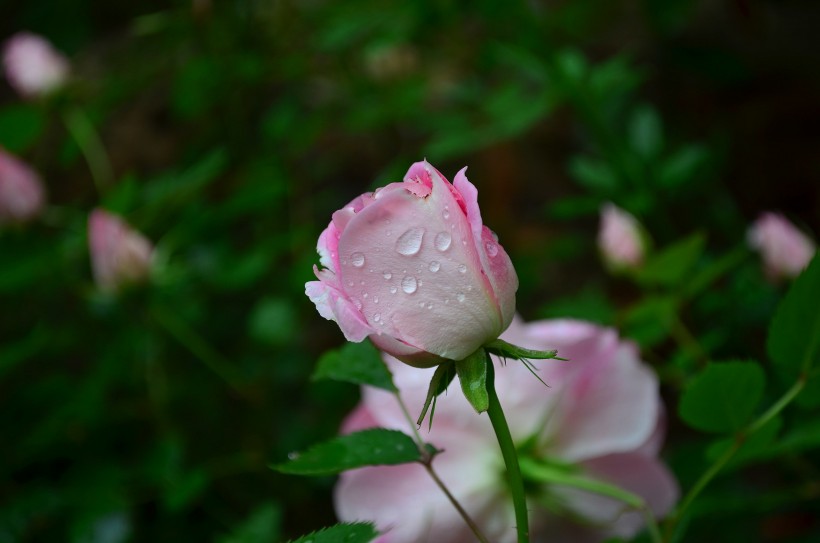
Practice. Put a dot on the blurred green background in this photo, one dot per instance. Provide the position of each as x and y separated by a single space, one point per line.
235 128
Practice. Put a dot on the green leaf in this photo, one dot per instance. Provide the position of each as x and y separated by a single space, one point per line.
723 397
499 347
794 333
359 532
20 126
650 321
262 526
593 174
357 363
646 132
671 266
682 166
442 377
372 447
472 374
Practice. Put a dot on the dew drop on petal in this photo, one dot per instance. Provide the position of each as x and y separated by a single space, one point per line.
442 241
462 268
377 317
393 290
492 248
386 274
409 284
409 243
460 296
435 266
375 299
357 259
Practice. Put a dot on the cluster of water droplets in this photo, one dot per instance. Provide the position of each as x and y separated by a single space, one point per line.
409 244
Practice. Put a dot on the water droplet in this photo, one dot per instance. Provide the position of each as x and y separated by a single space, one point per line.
462 268
386 274
375 299
409 243
421 304
445 213
377 317
350 283
464 242
460 296
364 295
371 270
435 266
446 301
494 235
409 284
469 288
393 290
492 248
293 455
429 306
443 240
358 304
357 259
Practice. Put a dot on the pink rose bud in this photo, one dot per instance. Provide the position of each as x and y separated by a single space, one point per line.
786 251
33 67
119 254
21 191
619 238
412 267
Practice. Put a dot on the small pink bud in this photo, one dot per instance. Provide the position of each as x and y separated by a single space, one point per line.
412 266
21 191
33 67
619 238
119 254
786 251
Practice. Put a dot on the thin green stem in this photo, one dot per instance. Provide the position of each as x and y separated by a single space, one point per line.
724 459
688 342
428 465
191 340
89 142
546 473
505 442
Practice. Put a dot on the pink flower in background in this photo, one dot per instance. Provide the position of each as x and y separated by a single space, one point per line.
412 267
786 251
33 67
601 415
619 238
21 191
119 254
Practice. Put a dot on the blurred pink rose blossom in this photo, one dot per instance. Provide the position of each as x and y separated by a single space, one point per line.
619 238
601 415
412 267
21 191
786 251
33 67
119 254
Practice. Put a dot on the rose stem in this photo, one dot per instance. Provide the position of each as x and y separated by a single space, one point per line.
502 433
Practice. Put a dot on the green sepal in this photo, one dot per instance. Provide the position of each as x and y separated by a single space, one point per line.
472 374
499 347
443 376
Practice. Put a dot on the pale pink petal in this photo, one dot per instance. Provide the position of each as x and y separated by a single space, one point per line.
33 67
119 254
619 238
610 405
786 251
642 475
21 192
333 305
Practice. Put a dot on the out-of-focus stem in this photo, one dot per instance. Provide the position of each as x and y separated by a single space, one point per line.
89 142
428 465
